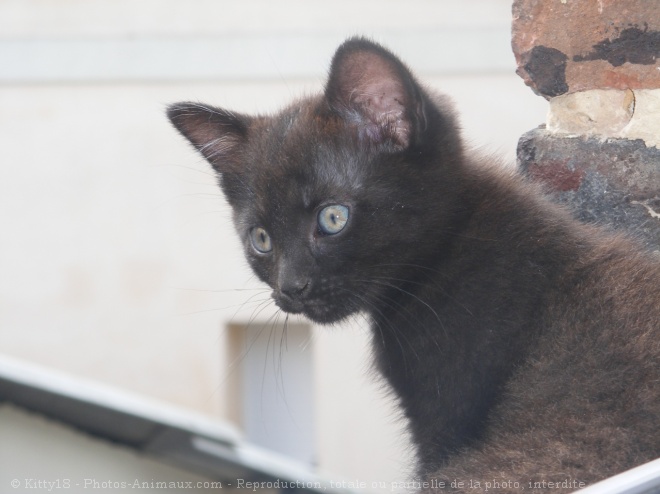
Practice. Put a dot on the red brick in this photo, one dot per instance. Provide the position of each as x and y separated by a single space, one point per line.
564 46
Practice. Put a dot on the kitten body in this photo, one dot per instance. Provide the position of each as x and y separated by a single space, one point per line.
522 345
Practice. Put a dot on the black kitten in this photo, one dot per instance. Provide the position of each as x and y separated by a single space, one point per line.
523 345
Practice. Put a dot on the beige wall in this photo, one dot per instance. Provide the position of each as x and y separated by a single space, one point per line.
117 256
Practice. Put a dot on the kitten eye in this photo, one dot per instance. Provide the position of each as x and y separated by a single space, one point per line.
333 219
261 240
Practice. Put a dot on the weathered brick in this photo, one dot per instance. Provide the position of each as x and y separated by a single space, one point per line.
612 182
565 46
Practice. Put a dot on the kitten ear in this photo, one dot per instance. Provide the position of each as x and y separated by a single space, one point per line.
217 134
371 89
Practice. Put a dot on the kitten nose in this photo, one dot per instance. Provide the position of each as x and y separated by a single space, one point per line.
294 288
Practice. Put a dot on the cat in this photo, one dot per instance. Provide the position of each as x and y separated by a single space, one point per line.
523 346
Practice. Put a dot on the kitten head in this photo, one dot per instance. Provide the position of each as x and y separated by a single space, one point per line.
339 199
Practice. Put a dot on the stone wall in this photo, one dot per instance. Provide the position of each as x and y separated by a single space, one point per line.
596 61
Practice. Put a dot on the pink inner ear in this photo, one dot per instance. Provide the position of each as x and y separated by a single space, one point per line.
385 110
371 86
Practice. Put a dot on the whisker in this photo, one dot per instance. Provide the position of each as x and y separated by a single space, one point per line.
249 300
216 309
227 290
260 308
411 316
390 285
393 331
198 170
432 282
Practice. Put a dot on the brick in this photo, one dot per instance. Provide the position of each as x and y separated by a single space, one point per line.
613 182
608 113
566 46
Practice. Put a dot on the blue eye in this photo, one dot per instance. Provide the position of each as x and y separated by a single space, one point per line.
333 219
261 240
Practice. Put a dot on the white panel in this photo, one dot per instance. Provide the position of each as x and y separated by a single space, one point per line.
278 392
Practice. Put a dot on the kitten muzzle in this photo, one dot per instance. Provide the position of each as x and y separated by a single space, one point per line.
291 294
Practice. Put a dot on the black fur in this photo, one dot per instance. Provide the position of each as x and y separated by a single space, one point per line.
523 345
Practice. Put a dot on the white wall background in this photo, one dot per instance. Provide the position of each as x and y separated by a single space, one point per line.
117 256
